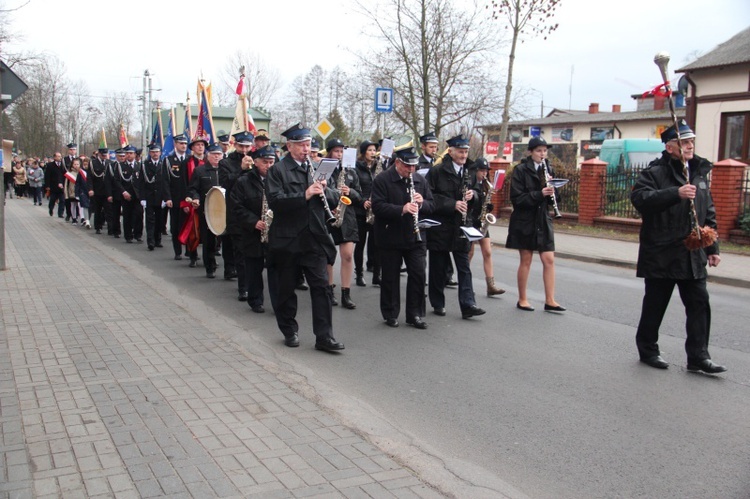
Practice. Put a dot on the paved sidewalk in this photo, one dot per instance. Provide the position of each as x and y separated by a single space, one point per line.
734 269
111 388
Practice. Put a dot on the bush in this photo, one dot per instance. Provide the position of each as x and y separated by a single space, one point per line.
745 221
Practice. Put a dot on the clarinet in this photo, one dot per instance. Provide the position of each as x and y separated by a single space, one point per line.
464 189
330 217
547 178
410 189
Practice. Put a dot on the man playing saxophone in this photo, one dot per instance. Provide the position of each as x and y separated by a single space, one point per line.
250 212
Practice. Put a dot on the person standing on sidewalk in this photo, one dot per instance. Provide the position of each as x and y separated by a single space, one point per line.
36 180
97 190
662 196
53 181
530 228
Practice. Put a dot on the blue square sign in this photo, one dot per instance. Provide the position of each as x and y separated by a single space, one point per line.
383 100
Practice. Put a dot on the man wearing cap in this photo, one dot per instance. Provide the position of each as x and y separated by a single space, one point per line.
114 197
223 138
247 199
54 175
399 239
203 179
299 238
662 195
67 162
231 169
96 185
175 186
368 166
261 139
152 192
198 158
125 178
449 183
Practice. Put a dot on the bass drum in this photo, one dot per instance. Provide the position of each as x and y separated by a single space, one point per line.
216 210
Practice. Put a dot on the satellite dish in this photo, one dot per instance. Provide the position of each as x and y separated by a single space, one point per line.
682 85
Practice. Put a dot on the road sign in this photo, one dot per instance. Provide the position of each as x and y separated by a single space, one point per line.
383 100
324 128
12 86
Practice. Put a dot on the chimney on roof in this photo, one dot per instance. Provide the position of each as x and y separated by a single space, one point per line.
616 108
593 108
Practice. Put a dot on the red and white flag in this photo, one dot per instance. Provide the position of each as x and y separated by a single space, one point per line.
243 121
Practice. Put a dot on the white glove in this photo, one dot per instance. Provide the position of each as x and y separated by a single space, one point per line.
143 203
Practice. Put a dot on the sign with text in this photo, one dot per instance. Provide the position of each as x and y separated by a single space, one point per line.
492 148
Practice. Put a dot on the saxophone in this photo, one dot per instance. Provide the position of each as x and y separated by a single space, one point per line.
343 200
484 217
266 215
370 217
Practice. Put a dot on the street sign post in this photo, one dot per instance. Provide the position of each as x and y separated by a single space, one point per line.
324 128
383 100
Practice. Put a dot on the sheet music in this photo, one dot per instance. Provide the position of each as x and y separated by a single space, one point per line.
472 234
499 180
350 157
386 149
325 169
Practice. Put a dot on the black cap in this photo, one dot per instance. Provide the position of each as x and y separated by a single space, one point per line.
685 132
481 164
365 144
408 155
537 142
154 147
129 149
262 134
428 138
297 133
243 138
103 150
334 143
120 151
459 141
72 145
222 137
181 138
264 152
315 145
214 148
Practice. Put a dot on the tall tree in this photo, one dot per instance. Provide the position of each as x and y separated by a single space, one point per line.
118 108
525 17
435 56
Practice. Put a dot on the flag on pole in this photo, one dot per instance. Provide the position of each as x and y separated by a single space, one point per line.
158 136
168 147
188 127
123 136
205 125
103 140
243 121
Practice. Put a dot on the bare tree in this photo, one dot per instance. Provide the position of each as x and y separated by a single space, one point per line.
525 17
7 35
437 57
261 80
118 108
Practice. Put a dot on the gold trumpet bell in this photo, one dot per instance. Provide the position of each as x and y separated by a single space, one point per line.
345 200
490 218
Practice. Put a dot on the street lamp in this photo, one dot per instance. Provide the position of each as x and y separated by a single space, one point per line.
541 104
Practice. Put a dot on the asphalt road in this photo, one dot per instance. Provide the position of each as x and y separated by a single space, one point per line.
527 404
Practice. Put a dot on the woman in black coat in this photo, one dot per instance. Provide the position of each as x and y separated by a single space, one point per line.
530 226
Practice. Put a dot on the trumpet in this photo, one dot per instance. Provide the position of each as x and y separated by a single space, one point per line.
330 217
417 233
344 201
547 178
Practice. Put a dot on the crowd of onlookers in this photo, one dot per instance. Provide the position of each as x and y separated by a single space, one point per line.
25 179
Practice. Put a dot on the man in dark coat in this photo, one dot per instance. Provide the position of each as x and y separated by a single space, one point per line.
247 200
231 168
367 168
299 238
114 194
125 180
662 195
175 184
399 239
449 183
54 173
203 179
67 162
97 187
152 194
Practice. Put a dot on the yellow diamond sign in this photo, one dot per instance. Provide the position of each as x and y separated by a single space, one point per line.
324 128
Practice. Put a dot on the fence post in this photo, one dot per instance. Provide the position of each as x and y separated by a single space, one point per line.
498 200
726 191
591 190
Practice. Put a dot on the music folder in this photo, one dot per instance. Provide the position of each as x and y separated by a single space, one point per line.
472 234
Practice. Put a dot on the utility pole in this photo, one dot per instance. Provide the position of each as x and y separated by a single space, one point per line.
144 110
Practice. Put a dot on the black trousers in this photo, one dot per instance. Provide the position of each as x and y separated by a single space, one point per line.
314 267
253 279
694 295
390 283
227 253
100 209
366 240
176 220
208 240
132 219
59 198
439 261
115 229
238 261
153 224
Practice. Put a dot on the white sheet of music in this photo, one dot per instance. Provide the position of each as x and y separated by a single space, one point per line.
350 157
325 169
386 149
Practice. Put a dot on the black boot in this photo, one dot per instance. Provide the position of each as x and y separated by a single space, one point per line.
359 278
334 302
346 299
376 276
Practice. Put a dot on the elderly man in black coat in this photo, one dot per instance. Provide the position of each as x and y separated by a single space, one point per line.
662 195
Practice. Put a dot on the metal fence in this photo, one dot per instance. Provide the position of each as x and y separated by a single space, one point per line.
744 220
567 194
618 185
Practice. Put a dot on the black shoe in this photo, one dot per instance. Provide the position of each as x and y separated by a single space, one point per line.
656 361
60 216
451 282
218 253
258 309
151 247
391 322
67 218
376 279
210 274
159 245
193 264
706 366
291 340
232 274
417 322
302 286
439 311
242 296
98 231
346 299
129 241
360 280
139 239
328 344
527 308
554 308
178 257
472 311
50 212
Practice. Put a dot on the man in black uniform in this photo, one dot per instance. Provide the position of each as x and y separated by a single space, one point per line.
247 199
125 176
175 182
54 176
662 196
152 193
448 182
230 169
204 177
429 144
399 239
114 196
222 138
96 185
299 238
67 162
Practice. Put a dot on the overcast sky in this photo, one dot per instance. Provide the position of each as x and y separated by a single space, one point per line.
609 45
